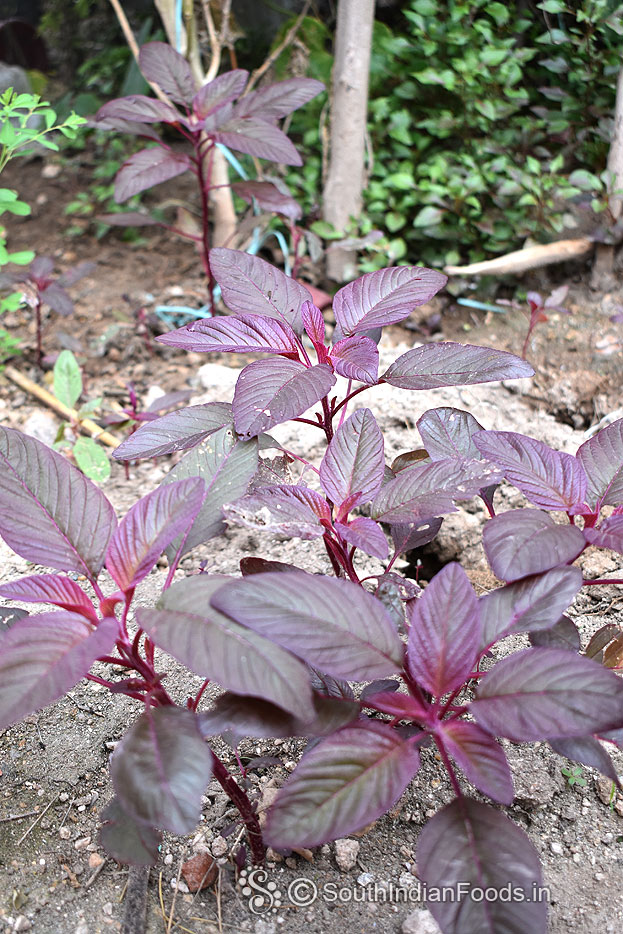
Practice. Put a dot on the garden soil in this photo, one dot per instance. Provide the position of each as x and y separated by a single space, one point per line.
54 876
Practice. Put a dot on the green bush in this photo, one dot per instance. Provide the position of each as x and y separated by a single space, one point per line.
479 112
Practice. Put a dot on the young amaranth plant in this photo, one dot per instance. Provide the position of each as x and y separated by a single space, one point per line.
219 112
284 644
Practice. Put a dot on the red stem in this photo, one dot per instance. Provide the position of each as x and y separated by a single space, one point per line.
240 799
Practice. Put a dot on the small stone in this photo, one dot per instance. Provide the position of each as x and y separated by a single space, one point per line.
63 796
556 848
50 170
346 853
64 833
290 862
534 787
600 876
95 860
219 846
365 878
22 923
41 426
603 786
179 886
577 858
168 860
273 856
199 871
107 908
618 806
82 843
83 928
420 921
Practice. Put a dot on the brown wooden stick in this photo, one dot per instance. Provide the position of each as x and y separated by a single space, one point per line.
530 258
86 425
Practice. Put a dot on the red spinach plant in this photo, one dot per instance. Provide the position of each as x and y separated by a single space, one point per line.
219 112
285 645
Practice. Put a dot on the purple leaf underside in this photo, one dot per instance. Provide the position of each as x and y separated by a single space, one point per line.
341 785
42 657
147 168
177 431
139 108
356 358
295 511
280 99
365 534
241 334
354 461
223 90
608 535
602 459
217 647
520 543
447 432
269 198
543 693
450 364
333 625
258 138
62 592
161 64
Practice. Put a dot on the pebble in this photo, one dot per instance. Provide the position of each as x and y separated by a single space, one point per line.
82 843
556 848
346 853
179 886
199 871
366 878
64 833
420 921
219 846
22 923
95 860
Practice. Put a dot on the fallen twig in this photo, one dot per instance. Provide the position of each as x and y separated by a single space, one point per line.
86 425
35 822
530 258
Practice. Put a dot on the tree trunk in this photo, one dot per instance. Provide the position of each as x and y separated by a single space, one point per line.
615 156
345 178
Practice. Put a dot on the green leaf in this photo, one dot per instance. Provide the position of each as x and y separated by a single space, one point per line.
92 459
553 6
493 56
22 258
67 383
585 180
428 217
325 230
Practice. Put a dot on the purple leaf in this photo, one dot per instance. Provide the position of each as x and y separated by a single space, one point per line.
427 489
272 391
549 479
354 460
542 693
269 198
257 138
146 168
127 841
469 846
313 322
161 64
562 635
449 364
132 127
356 358
480 757
252 286
240 334
384 297
177 431
50 513
341 785
215 94
608 535
76 273
384 686
519 543
216 647
534 603
588 751
49 588
226 466
42 657
414 534
445 632
295 511
259 718
365 534
57 299
160 769
254 565
602 459
330 687
447 432
280 99
334 625
139 109
149 526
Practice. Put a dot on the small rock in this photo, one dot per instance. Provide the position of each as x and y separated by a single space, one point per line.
534 787
82 843
219 846
64 833
273 856
600 876
168 860
346 853
603 786
95 860
51 170
556 848
420 921
83 928
365 878
41 426
179 886
22 923
199 871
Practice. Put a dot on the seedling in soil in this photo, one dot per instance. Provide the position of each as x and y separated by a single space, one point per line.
574 775
90 456
286 646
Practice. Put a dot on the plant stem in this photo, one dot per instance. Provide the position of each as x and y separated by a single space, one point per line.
204 162
350 396
39 340
451 773
604 580
238 797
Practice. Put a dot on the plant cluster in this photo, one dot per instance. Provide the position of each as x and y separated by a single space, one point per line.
479 112
374 670
218 113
